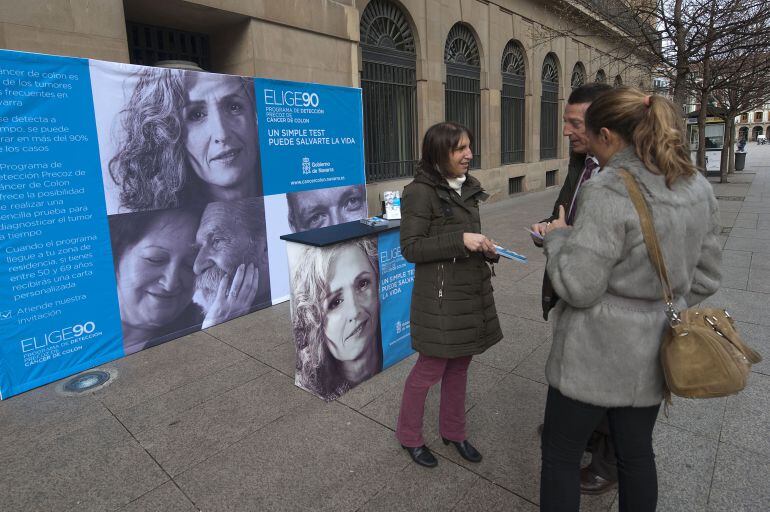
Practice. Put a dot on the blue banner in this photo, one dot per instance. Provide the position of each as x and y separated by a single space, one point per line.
58 308
313 133
396 282
140 204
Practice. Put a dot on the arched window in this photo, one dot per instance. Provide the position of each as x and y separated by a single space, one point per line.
618 81
549 108
578 76
512 105
601 77
756 132
389 90
462 96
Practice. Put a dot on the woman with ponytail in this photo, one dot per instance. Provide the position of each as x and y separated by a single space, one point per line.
608 327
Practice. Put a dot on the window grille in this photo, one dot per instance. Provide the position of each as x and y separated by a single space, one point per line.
515 185
549 108
601 77
389 90
618 81
512 105
148 44
578 76
550 178
462 94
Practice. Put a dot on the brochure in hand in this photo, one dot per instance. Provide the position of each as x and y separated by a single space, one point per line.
509 254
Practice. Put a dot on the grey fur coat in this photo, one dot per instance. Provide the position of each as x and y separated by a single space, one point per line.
607 328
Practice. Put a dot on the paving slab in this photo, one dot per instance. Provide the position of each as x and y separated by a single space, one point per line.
739 259
202 431
759 234
257 333
388 381
522 337
158 370
282 358
747 423
533 367
703 417
759 280
166 498
758 338
164 408
734 277
321 457
740 481
685 463
488 497
42 415
744 306
92 469
760 260
421 489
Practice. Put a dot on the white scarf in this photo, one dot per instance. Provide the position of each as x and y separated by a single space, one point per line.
456 184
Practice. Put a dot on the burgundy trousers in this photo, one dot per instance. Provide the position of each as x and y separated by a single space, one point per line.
453 374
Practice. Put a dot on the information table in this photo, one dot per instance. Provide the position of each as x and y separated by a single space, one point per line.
350 296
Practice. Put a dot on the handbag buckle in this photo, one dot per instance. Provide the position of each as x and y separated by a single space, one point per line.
673 315
714 322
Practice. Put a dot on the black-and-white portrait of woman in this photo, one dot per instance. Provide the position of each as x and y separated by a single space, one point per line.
176 137
153 254
335 315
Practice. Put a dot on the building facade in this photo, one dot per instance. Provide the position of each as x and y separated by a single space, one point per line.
750 124
504 68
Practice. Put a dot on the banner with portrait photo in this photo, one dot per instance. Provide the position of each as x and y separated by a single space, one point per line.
137 206
350 319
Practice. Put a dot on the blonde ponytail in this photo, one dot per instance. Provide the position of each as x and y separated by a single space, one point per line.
652 124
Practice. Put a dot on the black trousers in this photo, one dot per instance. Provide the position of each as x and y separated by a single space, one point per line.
603 460
568 426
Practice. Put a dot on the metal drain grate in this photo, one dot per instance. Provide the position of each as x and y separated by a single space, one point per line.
730 198
725 231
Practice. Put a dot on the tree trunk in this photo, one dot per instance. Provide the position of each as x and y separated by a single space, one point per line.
701 158
727 155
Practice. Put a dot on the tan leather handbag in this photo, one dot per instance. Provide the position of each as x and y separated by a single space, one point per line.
702 354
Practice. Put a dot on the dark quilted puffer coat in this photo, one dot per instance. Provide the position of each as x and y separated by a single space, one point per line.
453 310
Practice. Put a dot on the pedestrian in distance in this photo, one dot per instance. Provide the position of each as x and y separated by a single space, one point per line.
610 318
453 314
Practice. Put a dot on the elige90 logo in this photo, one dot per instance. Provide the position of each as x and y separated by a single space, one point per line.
57 336
291 98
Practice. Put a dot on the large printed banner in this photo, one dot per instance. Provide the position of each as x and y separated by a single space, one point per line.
140 204
350 311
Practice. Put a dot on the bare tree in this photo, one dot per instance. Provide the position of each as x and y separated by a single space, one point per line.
744 87
698 45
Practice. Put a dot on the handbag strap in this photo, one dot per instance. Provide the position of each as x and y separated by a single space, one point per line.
651 241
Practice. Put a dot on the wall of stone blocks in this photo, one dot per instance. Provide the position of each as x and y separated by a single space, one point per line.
317 41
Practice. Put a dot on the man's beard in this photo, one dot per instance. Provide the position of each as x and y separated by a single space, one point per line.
206 286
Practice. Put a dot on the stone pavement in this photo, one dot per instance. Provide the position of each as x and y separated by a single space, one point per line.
213 421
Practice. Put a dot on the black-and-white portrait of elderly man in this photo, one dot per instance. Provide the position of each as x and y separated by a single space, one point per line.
313 209
231 266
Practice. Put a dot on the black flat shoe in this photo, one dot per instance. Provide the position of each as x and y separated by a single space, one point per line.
422 456
465 449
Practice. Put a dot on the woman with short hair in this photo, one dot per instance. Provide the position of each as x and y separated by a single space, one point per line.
609 324
453 314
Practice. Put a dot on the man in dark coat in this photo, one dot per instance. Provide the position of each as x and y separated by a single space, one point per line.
601 475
